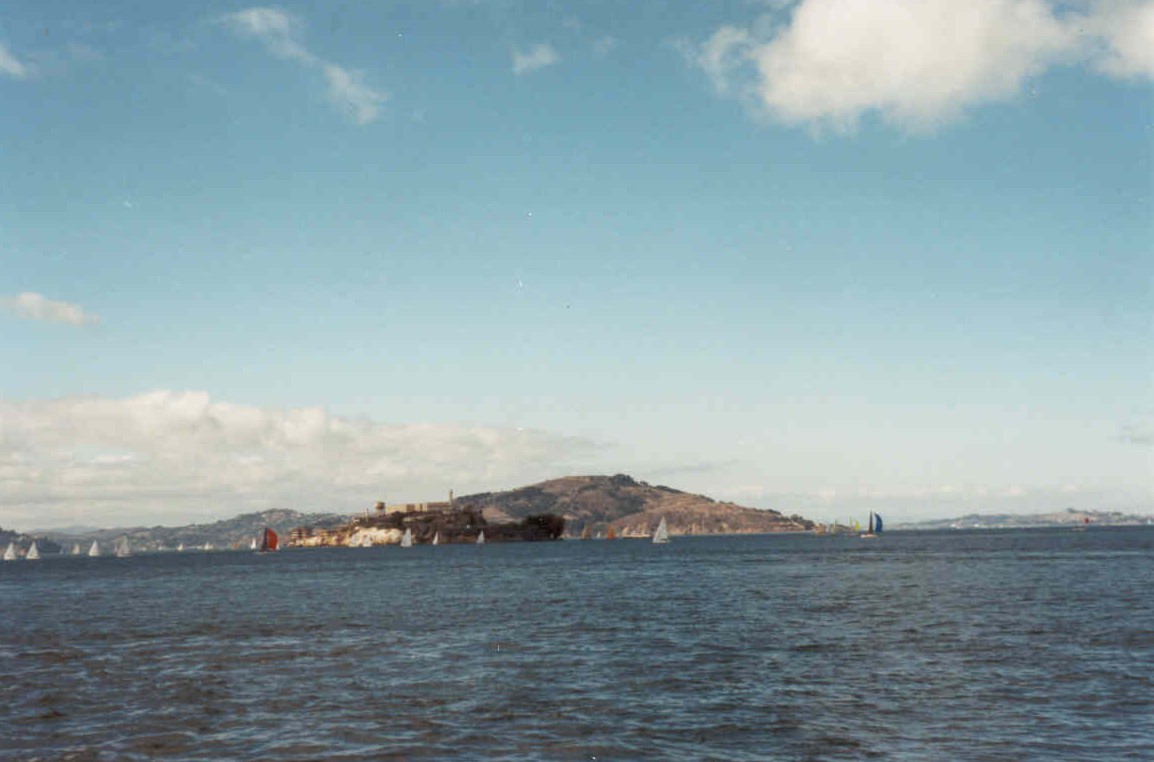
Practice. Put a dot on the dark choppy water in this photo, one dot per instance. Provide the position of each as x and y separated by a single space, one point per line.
959 646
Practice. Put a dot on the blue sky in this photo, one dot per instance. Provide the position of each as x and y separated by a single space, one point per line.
818 256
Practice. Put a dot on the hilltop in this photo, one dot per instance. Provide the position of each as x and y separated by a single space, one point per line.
628 507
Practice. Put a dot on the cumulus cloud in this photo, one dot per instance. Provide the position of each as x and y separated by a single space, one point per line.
10 65
33 306
537 57
916 63
281 34
1125 30
173 457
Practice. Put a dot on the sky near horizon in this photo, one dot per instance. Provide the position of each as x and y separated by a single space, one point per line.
821 256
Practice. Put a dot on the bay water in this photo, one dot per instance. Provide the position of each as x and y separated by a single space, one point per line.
1024 644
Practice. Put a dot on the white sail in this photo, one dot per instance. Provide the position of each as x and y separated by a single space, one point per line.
122 550
437 538
10 552
76 549
252 545
481 538
661 536
33 552
180 548
407 538
94 551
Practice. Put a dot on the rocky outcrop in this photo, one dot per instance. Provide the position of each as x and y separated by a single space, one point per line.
448 526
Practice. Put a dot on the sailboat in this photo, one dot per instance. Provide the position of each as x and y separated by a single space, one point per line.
875 525
407 538
180 548
33 552
611 534
436 538
481 537
94 550
587 532
122 550
10 552
269 541
252 545
75 548
661 535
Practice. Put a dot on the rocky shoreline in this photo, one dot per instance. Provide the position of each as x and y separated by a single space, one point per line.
443 526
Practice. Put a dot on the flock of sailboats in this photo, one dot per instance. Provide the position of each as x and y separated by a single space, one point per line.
10 553
267 542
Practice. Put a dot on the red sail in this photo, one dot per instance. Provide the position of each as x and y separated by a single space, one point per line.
269 541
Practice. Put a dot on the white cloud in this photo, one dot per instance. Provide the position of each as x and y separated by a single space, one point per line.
33 306
174 457
10 65
537 57
721 54
1126 31
281 32
917 63
349 91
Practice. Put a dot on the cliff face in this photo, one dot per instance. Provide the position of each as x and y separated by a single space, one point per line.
595 504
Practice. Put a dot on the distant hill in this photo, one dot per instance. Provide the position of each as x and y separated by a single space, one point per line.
23 540
629 507
227 533
1068 518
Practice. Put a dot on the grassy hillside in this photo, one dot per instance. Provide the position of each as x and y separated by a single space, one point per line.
629 507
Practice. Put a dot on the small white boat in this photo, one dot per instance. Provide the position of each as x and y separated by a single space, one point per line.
661 535
122 549
437 538
33 552
76 551
10 552
481 537
94 550
180 548
407 538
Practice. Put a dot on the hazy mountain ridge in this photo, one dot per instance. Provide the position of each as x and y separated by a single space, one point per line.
235 532
630 508
1069 517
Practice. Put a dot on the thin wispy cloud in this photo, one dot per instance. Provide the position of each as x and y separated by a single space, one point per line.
917 63
33 306
604 45
537 57
10 65
281 33
168 456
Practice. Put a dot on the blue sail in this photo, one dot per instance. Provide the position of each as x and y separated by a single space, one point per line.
877 523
